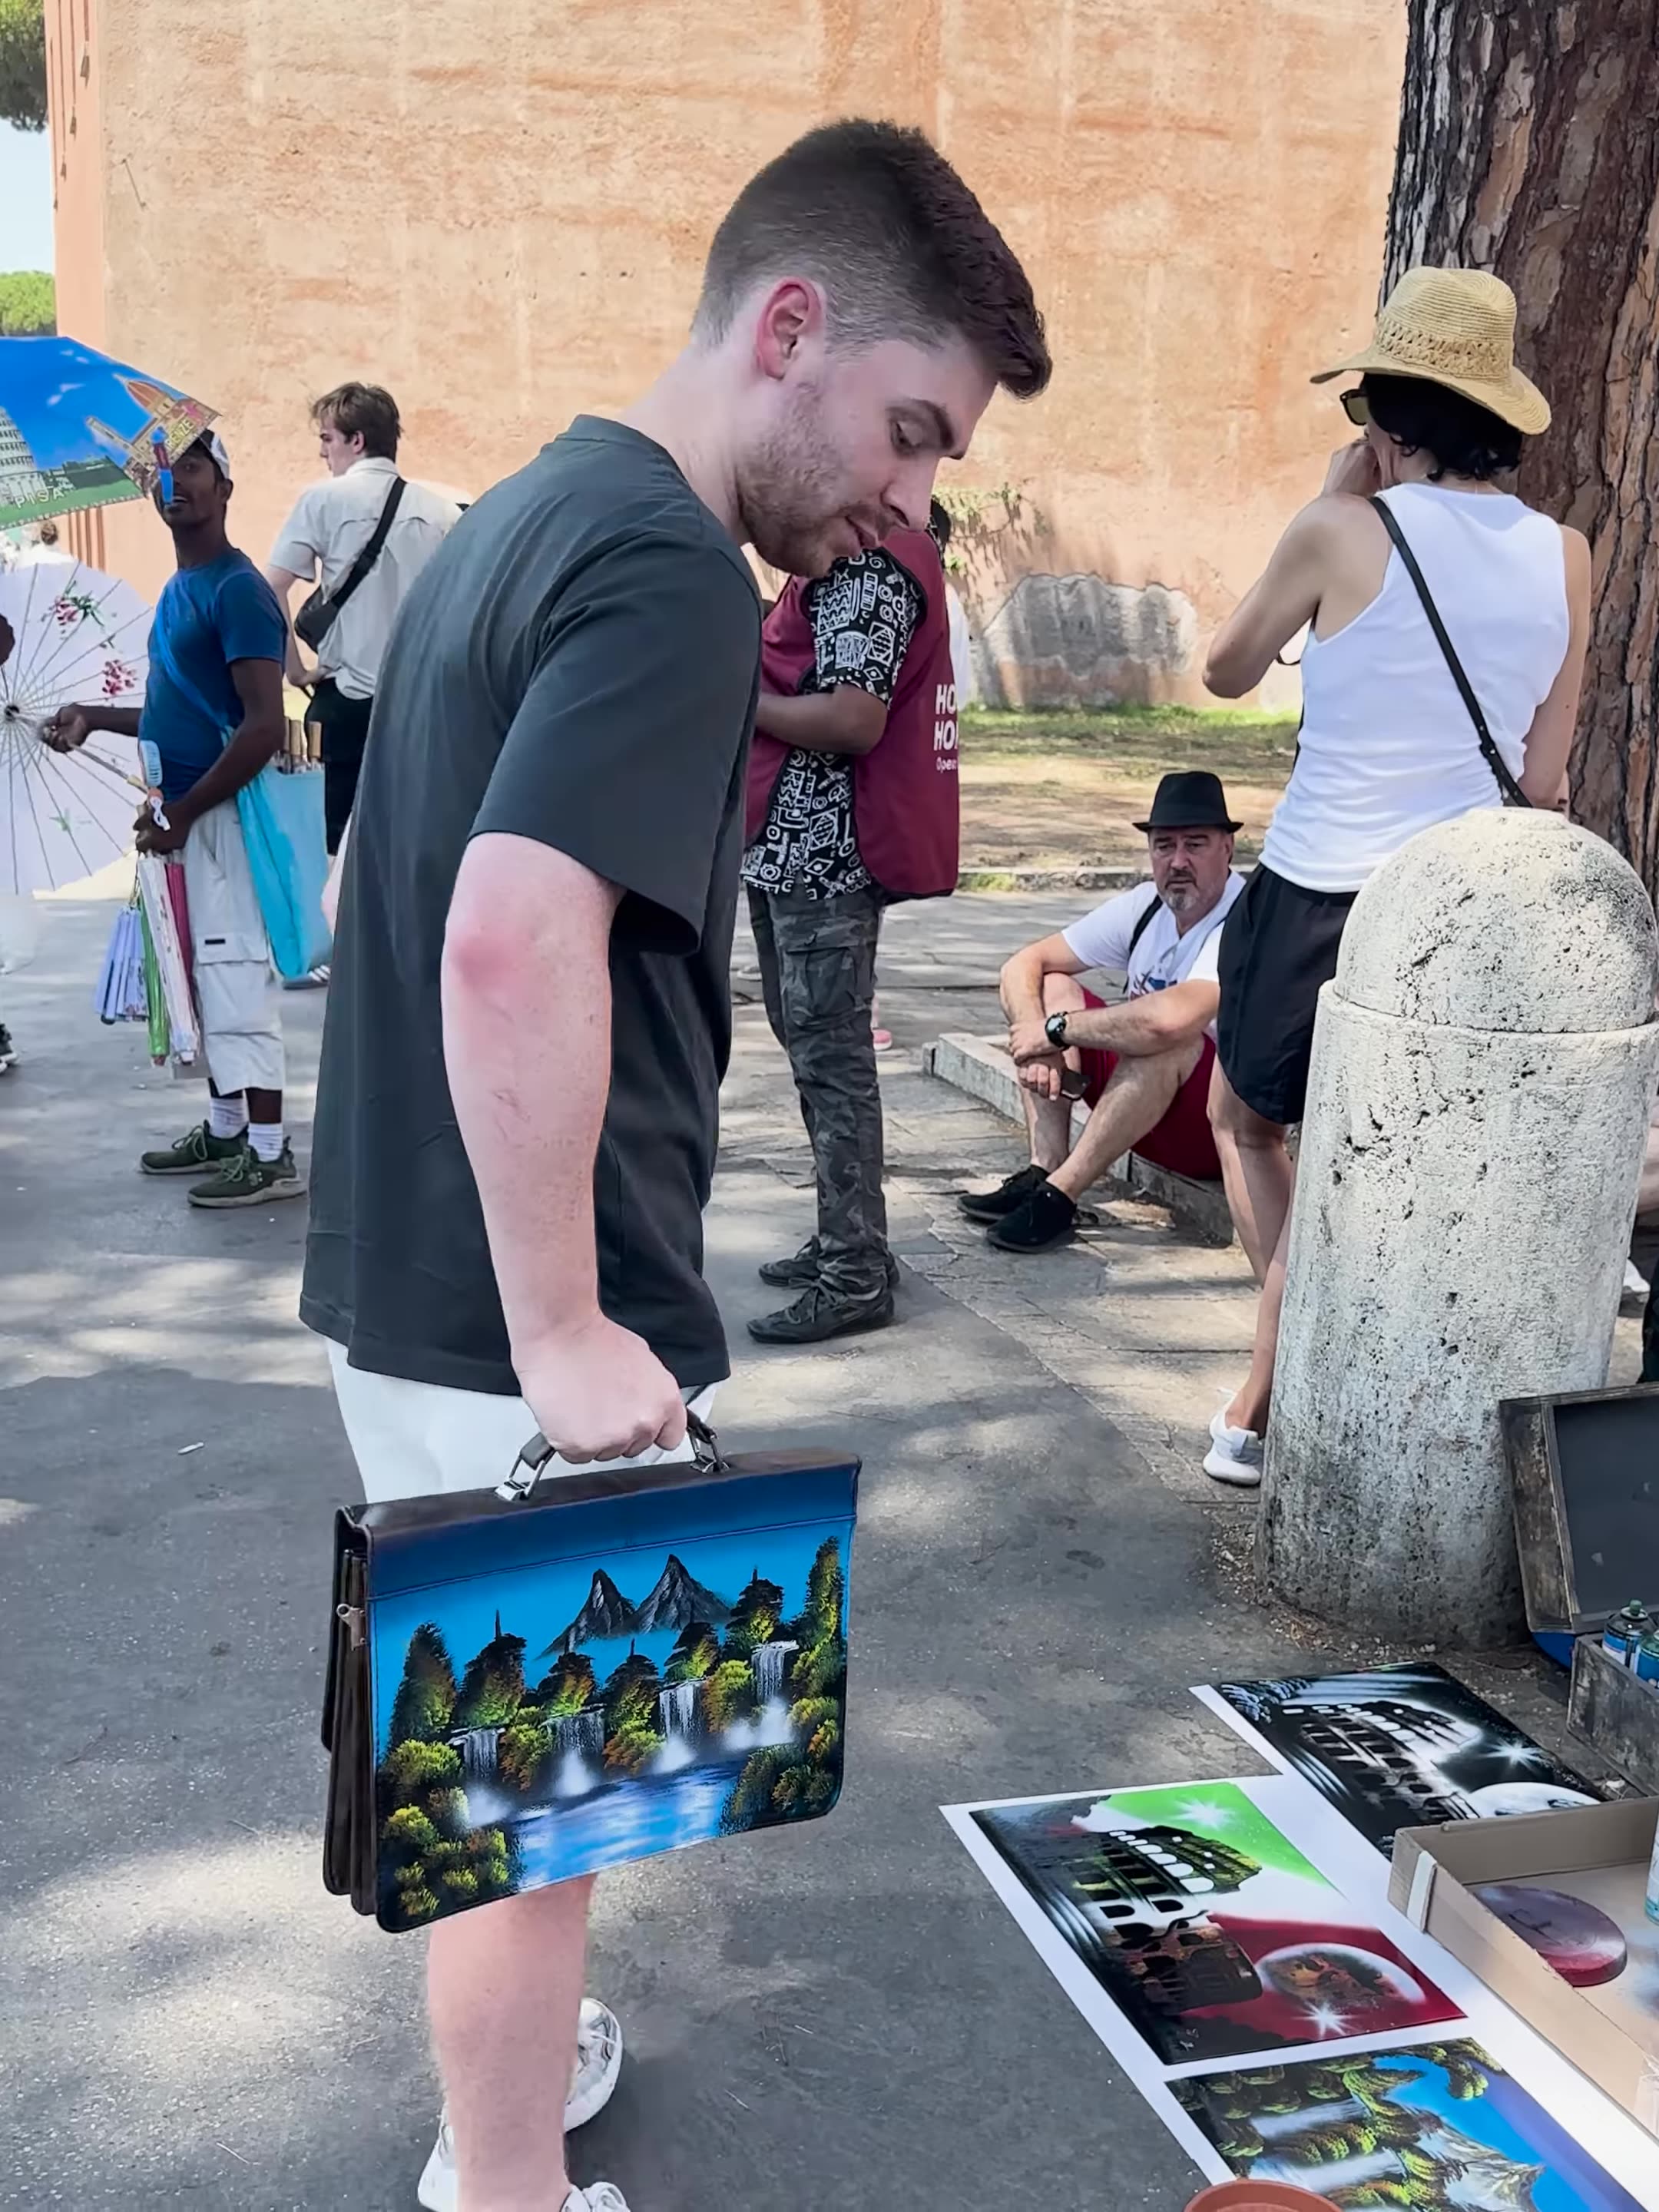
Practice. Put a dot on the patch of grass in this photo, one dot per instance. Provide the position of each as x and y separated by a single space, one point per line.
987 879
1064 790
1249 744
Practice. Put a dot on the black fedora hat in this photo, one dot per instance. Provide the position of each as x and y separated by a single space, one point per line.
1192 799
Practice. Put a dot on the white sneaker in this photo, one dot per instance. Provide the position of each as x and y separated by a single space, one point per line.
1636 1285
1235 1454
598 2063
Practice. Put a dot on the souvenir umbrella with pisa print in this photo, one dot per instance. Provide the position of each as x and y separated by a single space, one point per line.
78 636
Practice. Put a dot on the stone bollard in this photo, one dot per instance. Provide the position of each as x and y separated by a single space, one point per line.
1483 1067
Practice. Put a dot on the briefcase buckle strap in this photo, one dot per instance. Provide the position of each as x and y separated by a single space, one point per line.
526 1471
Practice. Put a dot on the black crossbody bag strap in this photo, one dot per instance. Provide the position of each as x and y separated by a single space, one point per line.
1141 926
371 552
1513 794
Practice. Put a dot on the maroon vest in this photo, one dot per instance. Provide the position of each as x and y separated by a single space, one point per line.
905 806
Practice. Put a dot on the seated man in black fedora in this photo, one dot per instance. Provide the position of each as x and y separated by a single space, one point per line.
1143 1064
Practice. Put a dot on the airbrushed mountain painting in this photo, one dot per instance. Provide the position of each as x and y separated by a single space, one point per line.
533 1724
1440 2126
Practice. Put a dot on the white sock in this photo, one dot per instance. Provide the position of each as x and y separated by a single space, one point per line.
266 1139
226 1117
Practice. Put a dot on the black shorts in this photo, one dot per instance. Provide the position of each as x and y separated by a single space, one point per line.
1278 945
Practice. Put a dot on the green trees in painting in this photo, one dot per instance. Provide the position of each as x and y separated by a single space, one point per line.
431 1858
492 1689
793 1780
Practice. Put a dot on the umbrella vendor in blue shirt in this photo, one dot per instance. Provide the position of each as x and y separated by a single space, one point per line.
213 713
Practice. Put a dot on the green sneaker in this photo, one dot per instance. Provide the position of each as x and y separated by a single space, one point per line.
247 1179
197 1149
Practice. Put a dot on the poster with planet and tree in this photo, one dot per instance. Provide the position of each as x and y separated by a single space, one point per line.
1203 1923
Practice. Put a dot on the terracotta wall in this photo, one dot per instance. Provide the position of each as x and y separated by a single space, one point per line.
501 214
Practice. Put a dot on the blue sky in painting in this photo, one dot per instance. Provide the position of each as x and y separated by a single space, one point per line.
539 1602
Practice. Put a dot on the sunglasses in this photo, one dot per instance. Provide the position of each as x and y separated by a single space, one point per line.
1357 408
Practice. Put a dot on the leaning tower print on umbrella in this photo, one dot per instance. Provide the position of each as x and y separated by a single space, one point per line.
79 430
77 636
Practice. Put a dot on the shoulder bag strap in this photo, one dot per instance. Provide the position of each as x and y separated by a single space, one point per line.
371 552
1142 923
1513 794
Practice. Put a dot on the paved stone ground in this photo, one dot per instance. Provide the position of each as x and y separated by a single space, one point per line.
822 2020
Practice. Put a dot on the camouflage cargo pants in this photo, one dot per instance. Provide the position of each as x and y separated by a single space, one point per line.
818 963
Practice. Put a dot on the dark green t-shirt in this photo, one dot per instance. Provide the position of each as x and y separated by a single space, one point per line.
577 663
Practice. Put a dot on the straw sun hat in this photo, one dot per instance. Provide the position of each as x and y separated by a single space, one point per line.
1455 327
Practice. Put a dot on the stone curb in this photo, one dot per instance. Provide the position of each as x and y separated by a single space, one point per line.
980 1066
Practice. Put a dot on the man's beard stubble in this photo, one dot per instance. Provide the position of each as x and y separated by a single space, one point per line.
787 492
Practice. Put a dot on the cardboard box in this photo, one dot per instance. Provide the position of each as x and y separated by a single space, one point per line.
1598 1853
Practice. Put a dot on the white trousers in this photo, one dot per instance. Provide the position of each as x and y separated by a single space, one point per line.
414 1439
236 986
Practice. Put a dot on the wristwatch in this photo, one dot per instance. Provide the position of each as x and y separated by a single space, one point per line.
1054 1030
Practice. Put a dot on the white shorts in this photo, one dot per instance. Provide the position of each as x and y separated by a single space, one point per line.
236 986
414 1439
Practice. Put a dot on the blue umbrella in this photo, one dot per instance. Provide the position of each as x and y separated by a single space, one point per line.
78 430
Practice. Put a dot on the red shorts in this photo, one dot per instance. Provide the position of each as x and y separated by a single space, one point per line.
1182 1141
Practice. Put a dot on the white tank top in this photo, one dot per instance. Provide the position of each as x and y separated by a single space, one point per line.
1388 747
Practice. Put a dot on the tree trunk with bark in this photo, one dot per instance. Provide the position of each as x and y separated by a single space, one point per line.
1529 145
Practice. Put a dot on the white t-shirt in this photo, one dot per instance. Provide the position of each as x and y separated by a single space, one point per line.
332 522
1164 955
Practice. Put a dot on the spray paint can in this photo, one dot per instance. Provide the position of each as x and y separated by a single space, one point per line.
1647 1656
1623 1634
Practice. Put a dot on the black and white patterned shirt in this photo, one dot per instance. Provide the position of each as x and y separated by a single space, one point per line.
864 614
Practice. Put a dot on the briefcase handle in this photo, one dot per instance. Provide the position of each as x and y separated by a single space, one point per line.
531 1463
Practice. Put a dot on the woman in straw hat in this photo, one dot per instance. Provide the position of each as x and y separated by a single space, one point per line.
1394 737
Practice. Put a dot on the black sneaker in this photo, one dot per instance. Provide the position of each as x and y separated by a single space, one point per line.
818 1313
800 1270
1005 1198
1048 1218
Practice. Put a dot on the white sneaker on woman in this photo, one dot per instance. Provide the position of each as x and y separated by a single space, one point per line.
598 2061
1235 1454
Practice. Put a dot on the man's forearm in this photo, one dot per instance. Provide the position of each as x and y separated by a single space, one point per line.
526 1027
253 747
845 720
1135 1027
120 722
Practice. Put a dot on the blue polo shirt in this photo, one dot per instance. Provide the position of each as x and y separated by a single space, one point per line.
207 619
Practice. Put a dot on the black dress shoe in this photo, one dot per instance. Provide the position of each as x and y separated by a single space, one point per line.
820 1312
1009 1194
801 1269
1047 1219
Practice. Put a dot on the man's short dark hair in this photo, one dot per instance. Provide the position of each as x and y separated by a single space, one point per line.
367 411
1464 438
878 217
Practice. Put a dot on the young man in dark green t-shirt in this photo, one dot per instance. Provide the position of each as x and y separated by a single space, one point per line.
516 1117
